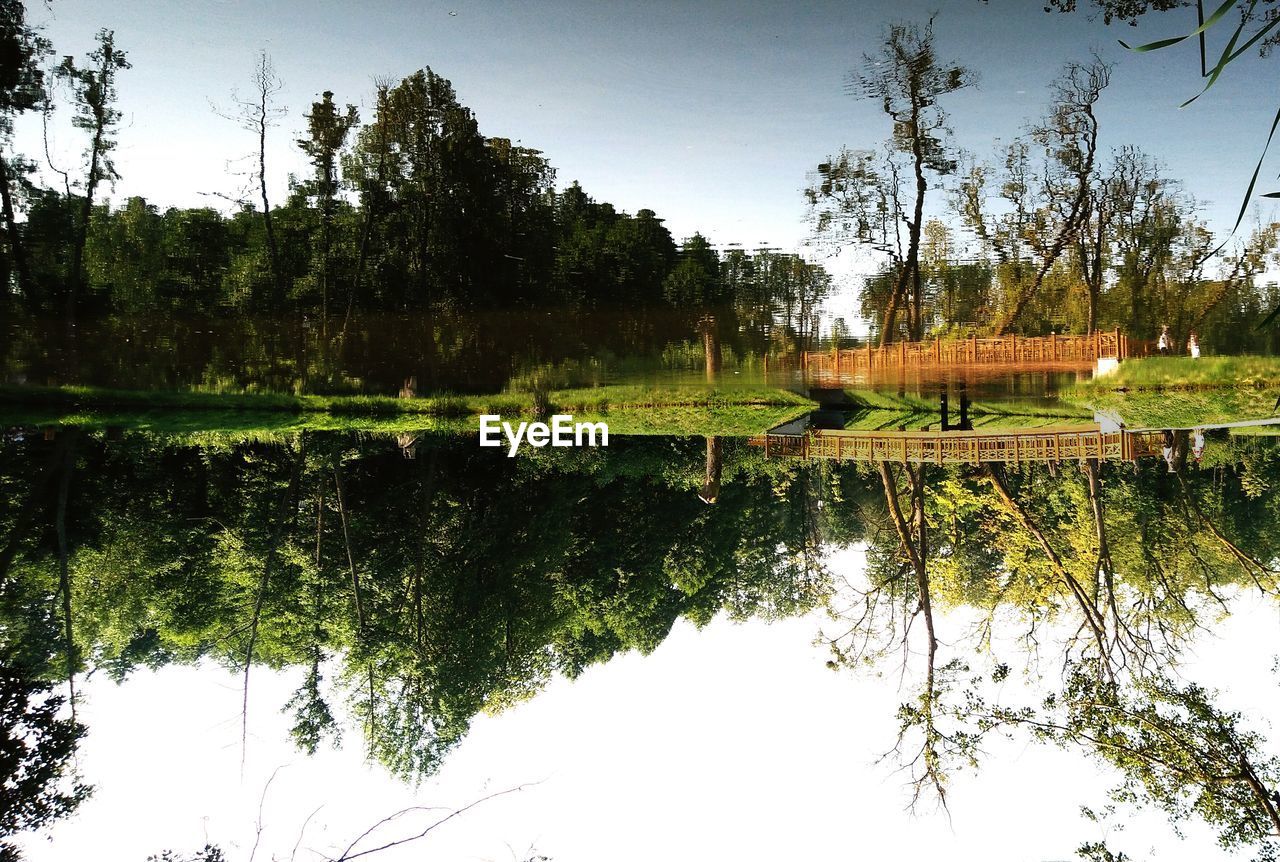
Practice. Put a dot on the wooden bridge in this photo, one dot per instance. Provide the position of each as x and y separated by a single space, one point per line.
1009 446
1065 352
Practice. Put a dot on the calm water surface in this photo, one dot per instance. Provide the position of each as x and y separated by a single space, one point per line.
406 597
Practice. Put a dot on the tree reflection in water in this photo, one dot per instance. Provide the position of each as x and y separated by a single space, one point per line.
424 591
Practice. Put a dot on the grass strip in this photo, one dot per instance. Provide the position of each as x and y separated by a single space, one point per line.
730 411
1159 373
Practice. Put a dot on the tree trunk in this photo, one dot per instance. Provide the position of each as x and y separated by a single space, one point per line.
1094 619
273 255
16 246
914 540
326 219
273 543
915 226
86 212
711 347
714 468
346 538
890 314
64 576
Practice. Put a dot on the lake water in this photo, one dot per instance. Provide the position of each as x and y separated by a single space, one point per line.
254 599
871 559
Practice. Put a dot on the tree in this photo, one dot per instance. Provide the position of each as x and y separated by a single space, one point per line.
22 88
257 114
1177 749
327 130
694 282
694 286
1049 203
428 167
36 750
863 195
1248 13
94 88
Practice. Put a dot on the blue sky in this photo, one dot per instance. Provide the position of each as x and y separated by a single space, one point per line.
710 113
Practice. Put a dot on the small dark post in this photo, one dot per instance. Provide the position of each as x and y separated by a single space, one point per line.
965 424
946 425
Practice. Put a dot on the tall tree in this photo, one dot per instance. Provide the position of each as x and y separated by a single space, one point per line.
1049 204
22 88
257 113
94 86
867 195
432 167
37 747
327 130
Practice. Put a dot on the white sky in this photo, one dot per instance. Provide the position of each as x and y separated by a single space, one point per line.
734 742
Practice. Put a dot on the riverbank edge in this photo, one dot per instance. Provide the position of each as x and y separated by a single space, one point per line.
628 410
1184 374
587 400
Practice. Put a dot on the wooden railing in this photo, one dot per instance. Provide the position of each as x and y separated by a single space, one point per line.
1010 350
965 447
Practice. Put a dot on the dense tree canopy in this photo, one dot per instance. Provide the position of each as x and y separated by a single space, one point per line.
1051 234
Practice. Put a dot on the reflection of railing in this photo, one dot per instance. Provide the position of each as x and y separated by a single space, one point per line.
965 447
1049 350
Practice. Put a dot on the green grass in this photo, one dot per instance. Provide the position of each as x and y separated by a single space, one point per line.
1184 408
1183 372
892 420
733 411
909 403
1181 392
507 403
1256 431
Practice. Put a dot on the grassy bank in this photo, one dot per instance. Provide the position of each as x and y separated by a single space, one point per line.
1181 392
891 420
1183 372
628 410
593 399
1185 408
910 403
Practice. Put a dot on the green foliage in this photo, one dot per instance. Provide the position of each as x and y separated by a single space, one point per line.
876 199
1175 750
1178 372
425 591
22 79
415 210
37 745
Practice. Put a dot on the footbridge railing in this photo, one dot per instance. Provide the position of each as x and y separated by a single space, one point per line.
1063 443
1068 351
